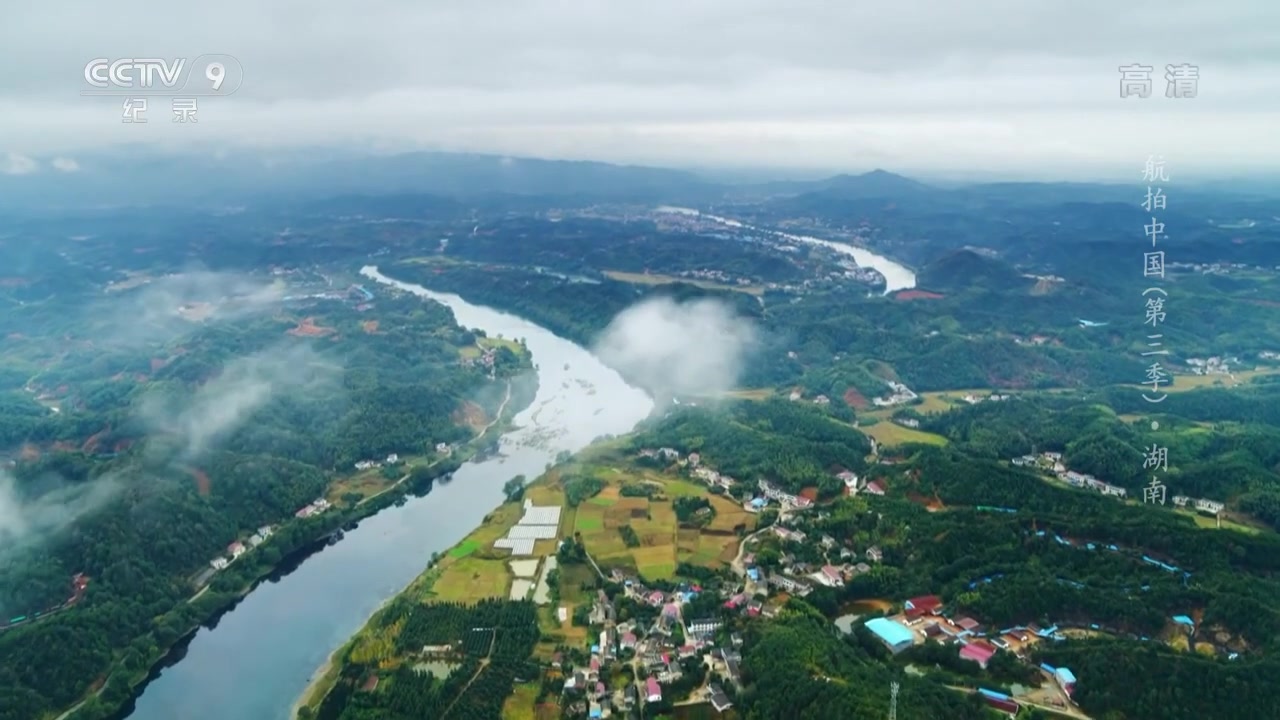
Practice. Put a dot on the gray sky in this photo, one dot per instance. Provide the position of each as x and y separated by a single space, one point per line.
1024 87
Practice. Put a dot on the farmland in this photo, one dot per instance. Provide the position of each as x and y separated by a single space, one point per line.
662 543
474 570
889 434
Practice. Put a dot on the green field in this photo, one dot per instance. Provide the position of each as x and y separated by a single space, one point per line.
890 434
588 523
464 548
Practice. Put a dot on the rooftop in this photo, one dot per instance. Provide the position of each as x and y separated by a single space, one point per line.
981 652
891 632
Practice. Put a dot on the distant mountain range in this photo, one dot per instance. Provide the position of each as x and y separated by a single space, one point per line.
139 176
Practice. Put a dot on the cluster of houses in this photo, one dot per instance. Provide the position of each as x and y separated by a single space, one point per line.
1212 366
668 454
484 360
1052 461
392 459
713 478
923 618
1213 507
841 565
652 650
782 497
797 394
315 508
237 548
1033 340
853 483
975 399
901 394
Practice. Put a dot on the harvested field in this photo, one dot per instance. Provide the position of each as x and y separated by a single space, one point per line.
730 515
470 579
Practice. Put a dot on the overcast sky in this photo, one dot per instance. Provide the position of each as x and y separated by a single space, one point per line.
1021 87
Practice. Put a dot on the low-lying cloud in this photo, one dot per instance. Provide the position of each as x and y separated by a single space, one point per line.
224 404
27 519
173 305
678 349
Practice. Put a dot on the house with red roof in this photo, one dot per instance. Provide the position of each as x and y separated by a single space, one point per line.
980 652
923 605
875 487
653 690
832 576
236 549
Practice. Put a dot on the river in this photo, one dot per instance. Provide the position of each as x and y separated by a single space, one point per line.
896 276
261 655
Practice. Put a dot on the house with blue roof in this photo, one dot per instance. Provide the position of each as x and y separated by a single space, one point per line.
1066 679
896 636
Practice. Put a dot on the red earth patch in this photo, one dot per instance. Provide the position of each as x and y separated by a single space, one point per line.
202 480
855 400
308 328
918 295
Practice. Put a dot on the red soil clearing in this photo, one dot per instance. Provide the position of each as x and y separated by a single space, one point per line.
202 480
855 400
91 445
918 295
810 492
308 328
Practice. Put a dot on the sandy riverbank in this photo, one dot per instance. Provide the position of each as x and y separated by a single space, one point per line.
318 678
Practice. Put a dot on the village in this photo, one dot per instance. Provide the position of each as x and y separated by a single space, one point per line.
1052 462
663 653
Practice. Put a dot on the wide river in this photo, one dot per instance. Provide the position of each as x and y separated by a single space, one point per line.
896 276
261 655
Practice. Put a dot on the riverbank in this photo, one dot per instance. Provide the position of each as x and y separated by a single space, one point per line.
257 661
495 524
211 605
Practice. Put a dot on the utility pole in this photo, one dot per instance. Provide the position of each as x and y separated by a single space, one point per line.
893 701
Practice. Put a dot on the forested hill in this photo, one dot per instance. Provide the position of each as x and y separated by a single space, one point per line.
167 446
965 269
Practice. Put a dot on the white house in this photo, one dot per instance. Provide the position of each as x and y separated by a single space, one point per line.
1212 507
218 563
